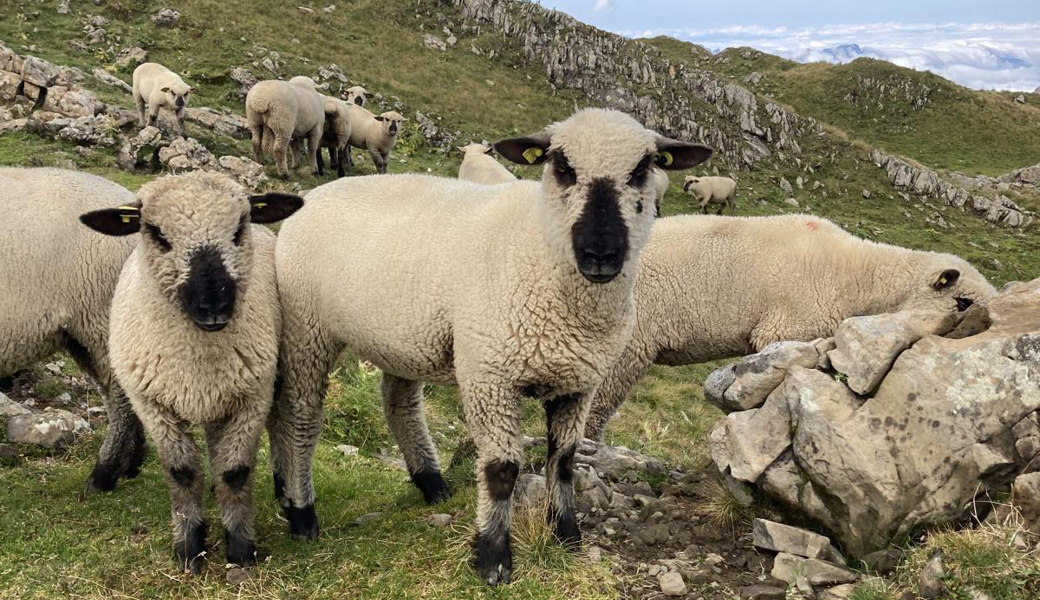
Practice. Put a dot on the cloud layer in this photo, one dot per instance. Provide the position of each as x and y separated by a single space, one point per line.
980 55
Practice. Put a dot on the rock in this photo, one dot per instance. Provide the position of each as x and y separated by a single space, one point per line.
785 185
759 374
131 57
166 17
9 84
367 518
239 576
329 9
40 72
793 540
141 148
109 79
440 520
10 408
347 450
75 102
63 7
90 130
52 428
672 584
530 491
747 442
791 202
866 194
185 154
245 79
788 567
930 584
224 122
614 462
762 592
838 592
434 43
1021 99
8 455
1025 495
882 562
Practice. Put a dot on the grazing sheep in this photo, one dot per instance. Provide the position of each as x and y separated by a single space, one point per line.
278 112
157 87
479 167
357 95
721 287
375 133
660 189
510 290
712 190
194 339
336 134
56 282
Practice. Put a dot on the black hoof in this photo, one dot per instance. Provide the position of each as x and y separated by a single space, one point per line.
191 550
240 551
432 486
565 528
303 522
102 479
493 559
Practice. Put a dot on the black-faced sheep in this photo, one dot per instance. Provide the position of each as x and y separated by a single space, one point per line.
712 190
56 283
195 324
284 111
157 87
508 290
375 133
714 288
357 95
479 166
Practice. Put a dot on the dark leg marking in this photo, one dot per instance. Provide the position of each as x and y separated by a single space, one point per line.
189 550
279 487
139 453
493 557
240 550
562 519
303 522
183 476
432 486
501 478
236 478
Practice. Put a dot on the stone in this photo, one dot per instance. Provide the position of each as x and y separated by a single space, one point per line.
785 186
792 202
10 408
778 537
131 57
672 584
440 520
63 7
614 462
224 122
530 491
40 72
109 79
434 43
838 592
929 583
747 442
368 518
238 576
8 455
53 428
166 17
141 148
347 450
595 554
759 374
185 154
90 130
32 91
762 592
9 84
882 562
788 567
245 79
78 102
1025 495
866 194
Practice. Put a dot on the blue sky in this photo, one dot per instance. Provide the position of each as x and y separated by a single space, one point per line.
991 45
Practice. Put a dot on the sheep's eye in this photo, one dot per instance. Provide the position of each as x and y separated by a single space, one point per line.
157 236
241 231
637 178
964 304
565 175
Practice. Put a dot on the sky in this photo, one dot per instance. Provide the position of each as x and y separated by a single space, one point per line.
979 44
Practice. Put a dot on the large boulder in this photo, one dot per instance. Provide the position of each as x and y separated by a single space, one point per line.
52 428
918 416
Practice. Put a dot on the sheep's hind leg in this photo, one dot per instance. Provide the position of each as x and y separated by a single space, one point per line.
493 416
280 151
313 147
403 406
232 455
565 421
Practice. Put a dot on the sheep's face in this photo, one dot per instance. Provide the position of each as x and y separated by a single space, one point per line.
691 183
357 95
598 185
196 242
947 283
391 123
177 94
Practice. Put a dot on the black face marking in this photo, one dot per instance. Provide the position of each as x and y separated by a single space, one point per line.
501 478
236 478
184 476
600 236
157 236
303 522
359 101
180 101
637 178
208 295
241 551
432 486
393 127
563 173
241 231
964 304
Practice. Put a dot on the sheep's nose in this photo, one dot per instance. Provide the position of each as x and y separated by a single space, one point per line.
358 101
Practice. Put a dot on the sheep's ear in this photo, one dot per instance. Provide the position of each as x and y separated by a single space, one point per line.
946 279
528 150
273 206
123 220
674 155
166 89
380 118
461 149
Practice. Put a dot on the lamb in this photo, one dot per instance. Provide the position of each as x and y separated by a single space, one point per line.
375 133
56 282
508 290
336 134
791 277
661 183
357 95
478 166
278 112
194 331
157 87
712 190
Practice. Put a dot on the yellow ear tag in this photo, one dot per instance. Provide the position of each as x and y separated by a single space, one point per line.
667 158
128 213
533 153
942 281
259 204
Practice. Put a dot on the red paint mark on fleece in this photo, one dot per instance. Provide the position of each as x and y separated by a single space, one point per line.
812 226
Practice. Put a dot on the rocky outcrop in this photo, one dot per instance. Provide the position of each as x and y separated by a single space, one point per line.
926 182
914 416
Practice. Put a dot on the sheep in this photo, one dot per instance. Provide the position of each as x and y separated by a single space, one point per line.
357 95
194 331
375 133
507 290
661 183
157 87
714 288
278 112
336 134
712 190
56 281
478 166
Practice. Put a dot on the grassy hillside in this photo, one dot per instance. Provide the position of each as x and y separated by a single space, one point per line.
912 113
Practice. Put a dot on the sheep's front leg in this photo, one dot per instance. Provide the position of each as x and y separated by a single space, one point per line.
403 406
153 113
336 160
634 363
142 117
232 455
180 121
379 161
493 416
565 420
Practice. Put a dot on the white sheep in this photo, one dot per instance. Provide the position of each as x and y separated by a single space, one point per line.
479 166
157 87
375 133
336 134
714 288
712 190
56 282
357 95
278 112
504 290
661 183
194 332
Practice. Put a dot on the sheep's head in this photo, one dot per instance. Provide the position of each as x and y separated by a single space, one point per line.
391 122
947 283
598 189
474 148
177 94
691 180
357 95
196 242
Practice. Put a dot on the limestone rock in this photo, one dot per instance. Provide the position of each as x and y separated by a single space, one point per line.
788 567
109 79
166 17
185 154
52 428
223 122
245 170
434 43
794 540
141 148
614 462
10 408
131 57
530 491
762 592
1025 494
9 84
672 584
755 377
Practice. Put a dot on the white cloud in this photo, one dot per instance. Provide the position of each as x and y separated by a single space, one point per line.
602 5
978 55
